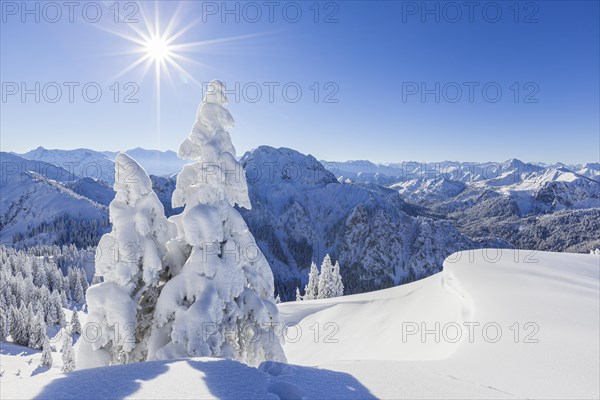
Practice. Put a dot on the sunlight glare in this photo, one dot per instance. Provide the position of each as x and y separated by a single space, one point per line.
157 49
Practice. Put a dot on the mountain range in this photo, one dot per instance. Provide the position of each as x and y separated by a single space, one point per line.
386 224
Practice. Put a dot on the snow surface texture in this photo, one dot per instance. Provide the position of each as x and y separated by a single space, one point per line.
366 357
219 299
558 294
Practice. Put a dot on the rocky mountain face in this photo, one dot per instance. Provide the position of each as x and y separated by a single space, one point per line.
300 212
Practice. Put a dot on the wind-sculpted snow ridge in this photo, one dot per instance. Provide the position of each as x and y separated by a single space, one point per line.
495 323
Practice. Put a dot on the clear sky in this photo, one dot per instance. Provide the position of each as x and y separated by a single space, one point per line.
384 81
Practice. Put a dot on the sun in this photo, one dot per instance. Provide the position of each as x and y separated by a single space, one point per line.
158 46
158 49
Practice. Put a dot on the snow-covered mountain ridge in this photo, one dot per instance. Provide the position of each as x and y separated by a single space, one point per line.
382 233
300 212
99 165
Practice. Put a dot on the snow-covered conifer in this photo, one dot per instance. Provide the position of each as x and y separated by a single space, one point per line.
311 290
326 282
75 324
130 261
298 296
3 323
19 326
37 332
78 295
221 282
338 285
46 360
68 355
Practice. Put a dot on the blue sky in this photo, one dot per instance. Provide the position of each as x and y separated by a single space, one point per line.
369 60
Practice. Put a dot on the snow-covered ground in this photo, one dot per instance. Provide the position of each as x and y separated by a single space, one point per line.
539 324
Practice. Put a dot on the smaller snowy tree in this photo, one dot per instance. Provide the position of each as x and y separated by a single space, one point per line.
338 285
78 295
68 355
37 332
277 299
75 324
62 321
298 296
46 360
19 325
312 288
3 323
130 262
326 290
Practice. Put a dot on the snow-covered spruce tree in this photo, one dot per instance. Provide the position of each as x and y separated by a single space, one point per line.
68 354
78 295
37 332
298 296
219 301
3 323
46 360
130 259
75 324
311 290
18 324
338 285
326 284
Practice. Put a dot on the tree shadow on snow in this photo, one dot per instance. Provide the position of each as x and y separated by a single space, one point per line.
217 378
11 349
278 381
115 382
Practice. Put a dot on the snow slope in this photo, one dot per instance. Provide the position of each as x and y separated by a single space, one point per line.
37 193
366 356
557 292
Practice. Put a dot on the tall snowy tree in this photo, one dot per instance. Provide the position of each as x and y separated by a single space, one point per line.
130 260
326 282
311 290
68 355
222 285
